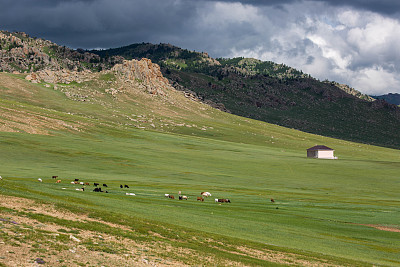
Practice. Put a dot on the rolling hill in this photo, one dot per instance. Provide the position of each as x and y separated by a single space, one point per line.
273 93
126 125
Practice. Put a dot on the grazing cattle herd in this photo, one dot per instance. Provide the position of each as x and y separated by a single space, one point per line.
169 196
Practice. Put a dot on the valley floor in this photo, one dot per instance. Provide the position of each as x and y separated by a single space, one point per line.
326 212
33 232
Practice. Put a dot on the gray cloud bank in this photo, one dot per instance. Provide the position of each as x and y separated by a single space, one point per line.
353 42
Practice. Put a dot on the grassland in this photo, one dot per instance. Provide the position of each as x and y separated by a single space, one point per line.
343 212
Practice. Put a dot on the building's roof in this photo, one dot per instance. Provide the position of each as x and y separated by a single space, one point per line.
319 148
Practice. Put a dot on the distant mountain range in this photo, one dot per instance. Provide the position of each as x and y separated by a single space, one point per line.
390 98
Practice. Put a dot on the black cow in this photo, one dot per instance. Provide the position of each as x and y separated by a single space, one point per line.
126 186
76 180
95 184
105 185
222 200
120 186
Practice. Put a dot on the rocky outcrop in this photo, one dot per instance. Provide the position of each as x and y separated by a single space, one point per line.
351 91
60 76
145 73
19 52
140 75
19 55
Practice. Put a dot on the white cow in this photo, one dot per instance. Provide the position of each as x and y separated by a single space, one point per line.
130 194
166 195
40 180
206 194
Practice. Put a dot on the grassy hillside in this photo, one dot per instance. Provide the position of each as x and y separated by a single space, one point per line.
266 91
337 212
274 93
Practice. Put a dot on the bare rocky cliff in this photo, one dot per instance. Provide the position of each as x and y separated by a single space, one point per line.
144 72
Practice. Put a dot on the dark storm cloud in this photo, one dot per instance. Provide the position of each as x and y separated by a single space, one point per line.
97 23
104 23
380 6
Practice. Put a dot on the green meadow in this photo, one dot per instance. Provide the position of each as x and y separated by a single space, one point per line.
321 209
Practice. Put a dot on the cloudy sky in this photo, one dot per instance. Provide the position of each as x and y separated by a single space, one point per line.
356 42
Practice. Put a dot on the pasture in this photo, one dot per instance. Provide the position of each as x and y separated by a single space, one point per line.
324 208
343 212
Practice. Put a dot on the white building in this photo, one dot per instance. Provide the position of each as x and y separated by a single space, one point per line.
320 152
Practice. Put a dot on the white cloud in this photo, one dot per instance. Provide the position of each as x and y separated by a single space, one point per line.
359 48
375 80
